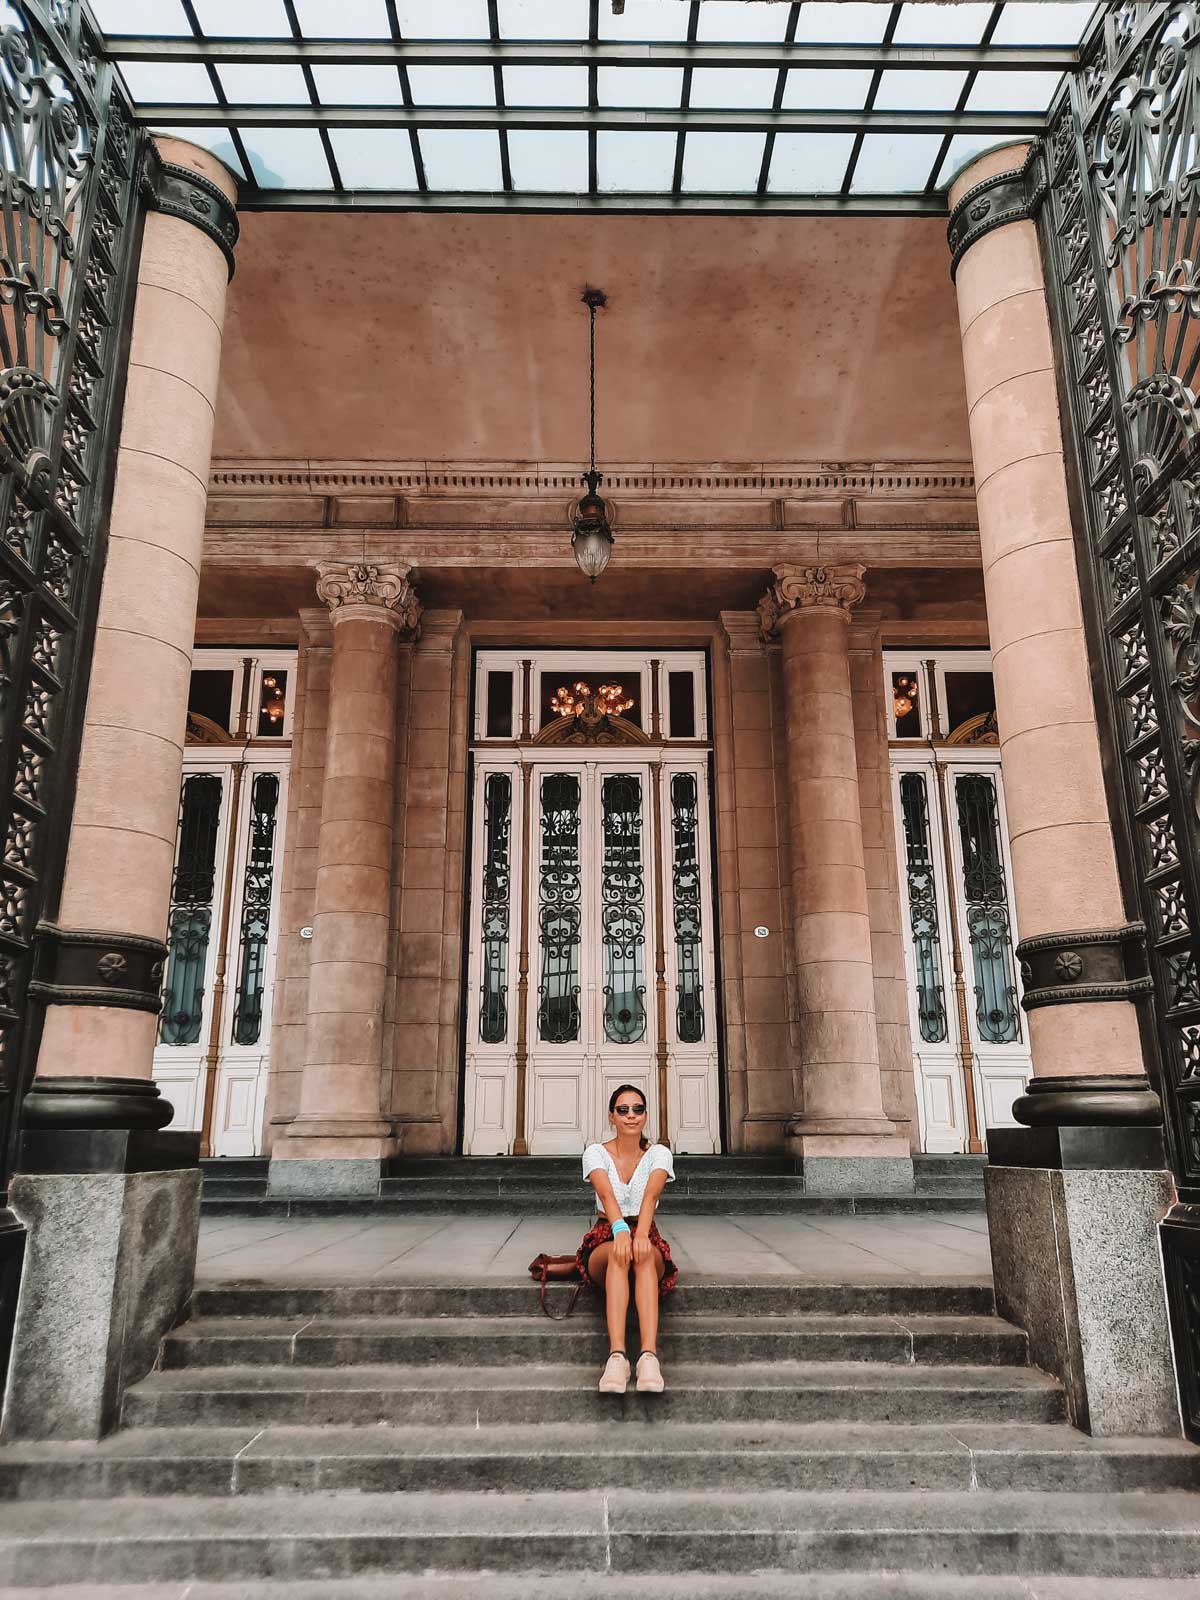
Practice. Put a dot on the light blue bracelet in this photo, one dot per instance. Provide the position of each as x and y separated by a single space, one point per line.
620 1226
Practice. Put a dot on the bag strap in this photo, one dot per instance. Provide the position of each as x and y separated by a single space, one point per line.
578 1290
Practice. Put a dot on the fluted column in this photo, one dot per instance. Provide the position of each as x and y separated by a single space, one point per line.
843 1137
1070 910
341 1133
102 963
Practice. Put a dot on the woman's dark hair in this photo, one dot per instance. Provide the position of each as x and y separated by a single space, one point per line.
616 1095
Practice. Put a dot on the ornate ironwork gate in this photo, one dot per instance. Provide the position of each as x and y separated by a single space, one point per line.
70 166
1121 239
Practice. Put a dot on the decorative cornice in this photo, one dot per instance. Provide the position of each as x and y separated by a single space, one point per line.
79 967
1080 1101
1093 965
796 588
180 192
1006 197
371 591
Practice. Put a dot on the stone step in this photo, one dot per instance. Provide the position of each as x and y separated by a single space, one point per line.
441 1396
539 1457
518 1297
342 1535
690 1586
512 1341
445 1200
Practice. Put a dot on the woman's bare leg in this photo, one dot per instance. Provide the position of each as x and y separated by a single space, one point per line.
645 1293
603 1268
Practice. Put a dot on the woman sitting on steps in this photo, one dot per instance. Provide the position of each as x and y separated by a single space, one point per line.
628 1174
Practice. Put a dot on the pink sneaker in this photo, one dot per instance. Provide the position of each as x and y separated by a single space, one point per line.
615 1377
649 1374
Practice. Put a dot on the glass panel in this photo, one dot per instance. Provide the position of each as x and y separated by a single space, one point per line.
161 17
287 158
640 86
919 91
895 162
543 19
933 22
449 19
374 158
808 89
623 909
499 705
1043 21
256 910
272 703
859 22
210 695
645 19
906 705
358 86
546 86
190 923
635 163
276 85
185 82
493 1006
730 21
685 899
348 19
922 909
985 894
243 18
559 910
452 86
550 160
809 163
681 704
1013 91
461 158
722 163
751 87
970 698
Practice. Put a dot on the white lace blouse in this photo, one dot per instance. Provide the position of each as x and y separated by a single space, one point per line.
629 1195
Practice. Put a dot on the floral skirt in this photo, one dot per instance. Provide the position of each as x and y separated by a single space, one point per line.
602 1233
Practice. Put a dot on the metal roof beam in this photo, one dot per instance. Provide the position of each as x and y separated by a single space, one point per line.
506 53
793 205
536 118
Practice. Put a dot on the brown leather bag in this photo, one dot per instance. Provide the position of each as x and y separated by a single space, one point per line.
556 1269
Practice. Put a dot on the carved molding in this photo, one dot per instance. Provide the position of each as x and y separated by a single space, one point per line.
1090 965
370 591
79 967
798 588
1007 197
180 192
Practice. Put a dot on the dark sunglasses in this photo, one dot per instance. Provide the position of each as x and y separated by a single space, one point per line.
630 1111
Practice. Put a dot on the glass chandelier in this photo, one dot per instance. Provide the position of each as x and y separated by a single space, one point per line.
591 536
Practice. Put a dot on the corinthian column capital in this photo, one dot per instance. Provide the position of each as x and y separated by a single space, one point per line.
811 589
370 592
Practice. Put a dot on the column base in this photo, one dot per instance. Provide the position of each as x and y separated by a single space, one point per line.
856 1161
113 1217
1076 1262
297 1176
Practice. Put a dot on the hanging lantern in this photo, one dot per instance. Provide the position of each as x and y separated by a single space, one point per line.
591 535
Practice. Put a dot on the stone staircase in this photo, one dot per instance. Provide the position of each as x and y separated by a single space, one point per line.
421 1441
704 1186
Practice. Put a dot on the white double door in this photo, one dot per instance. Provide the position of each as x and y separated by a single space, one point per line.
602 863
214 1029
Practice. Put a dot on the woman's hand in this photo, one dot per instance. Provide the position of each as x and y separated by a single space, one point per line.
642 1248
623 1248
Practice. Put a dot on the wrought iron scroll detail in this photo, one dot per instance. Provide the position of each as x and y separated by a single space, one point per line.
255 921
193 890
623 909
923 908
180 192
985 895
497 894
687 910
560 910
69 185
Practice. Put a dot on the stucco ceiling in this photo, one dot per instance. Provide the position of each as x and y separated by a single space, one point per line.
401 336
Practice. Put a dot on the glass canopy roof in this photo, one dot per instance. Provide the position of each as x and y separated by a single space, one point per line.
645 105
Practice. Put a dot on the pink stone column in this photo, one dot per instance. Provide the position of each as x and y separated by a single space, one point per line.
843 1137
1063 860
122 847
341 1132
